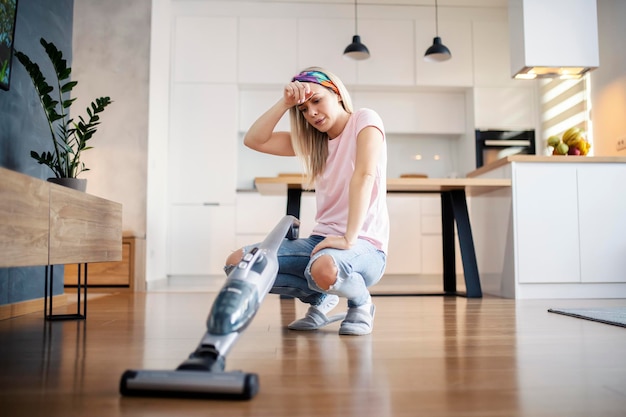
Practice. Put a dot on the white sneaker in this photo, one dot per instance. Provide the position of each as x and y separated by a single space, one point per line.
315 317
328 304
358 322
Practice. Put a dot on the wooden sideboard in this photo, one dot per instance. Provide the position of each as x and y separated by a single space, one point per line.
46 224
125 275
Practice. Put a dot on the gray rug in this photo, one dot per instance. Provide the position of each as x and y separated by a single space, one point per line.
615 316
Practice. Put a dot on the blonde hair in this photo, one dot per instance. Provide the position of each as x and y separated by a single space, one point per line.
309 144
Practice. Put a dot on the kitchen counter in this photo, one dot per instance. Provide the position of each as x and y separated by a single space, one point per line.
557 232
568 159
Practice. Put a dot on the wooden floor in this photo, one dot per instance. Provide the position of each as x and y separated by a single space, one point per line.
427 356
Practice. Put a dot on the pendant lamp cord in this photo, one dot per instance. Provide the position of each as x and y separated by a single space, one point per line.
356 32
436 19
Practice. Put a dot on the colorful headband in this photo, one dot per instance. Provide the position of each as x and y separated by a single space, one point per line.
317 78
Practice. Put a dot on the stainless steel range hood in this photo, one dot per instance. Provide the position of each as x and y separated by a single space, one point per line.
553 38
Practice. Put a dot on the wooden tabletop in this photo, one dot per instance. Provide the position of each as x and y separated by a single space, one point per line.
278 185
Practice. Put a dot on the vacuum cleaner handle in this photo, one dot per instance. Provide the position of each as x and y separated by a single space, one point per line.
288 227
245 288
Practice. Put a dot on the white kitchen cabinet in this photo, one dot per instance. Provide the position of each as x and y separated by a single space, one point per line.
431 242
405 255
392 47
321 42
415 243
546 223
204 49
506 108
569 223
432 256
254 102
416 112
431 213
256 215
431 237
456 34
308 210
492 54
203 144
202 177
201 238
500 102
602 223
561 229
266 55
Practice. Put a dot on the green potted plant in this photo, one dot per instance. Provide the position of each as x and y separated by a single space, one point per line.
69 138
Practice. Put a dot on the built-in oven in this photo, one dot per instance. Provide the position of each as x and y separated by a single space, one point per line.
492 145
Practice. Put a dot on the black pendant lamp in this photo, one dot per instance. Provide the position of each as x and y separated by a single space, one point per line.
356 50
438 52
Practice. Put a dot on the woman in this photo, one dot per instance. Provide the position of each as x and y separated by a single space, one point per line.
344 155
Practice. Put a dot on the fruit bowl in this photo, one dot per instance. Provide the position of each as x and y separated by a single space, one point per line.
572 142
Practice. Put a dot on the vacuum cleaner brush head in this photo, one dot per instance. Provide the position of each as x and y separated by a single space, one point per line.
190 384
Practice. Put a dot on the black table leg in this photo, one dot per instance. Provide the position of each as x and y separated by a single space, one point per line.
466 242
294 197
448 246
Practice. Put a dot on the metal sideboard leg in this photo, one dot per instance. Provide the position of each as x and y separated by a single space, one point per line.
48 295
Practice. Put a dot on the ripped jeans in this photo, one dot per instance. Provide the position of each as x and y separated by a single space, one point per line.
358 268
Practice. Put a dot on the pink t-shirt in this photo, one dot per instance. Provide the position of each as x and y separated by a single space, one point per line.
332 186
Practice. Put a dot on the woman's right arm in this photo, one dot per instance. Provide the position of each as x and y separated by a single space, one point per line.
261 136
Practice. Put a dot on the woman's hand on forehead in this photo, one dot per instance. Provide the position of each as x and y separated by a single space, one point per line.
297 92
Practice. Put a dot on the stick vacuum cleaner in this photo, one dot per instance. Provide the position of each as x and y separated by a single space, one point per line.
202 375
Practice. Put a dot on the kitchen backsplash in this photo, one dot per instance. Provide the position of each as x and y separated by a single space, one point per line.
433 155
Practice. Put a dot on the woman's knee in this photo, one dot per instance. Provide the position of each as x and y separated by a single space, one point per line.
234 257
324 272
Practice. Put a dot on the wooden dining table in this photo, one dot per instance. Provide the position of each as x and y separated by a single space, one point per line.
453 192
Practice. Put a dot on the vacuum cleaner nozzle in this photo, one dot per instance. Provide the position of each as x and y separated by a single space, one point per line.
190 384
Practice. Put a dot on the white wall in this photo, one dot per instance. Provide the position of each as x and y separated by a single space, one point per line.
608 82
156 214
111 57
